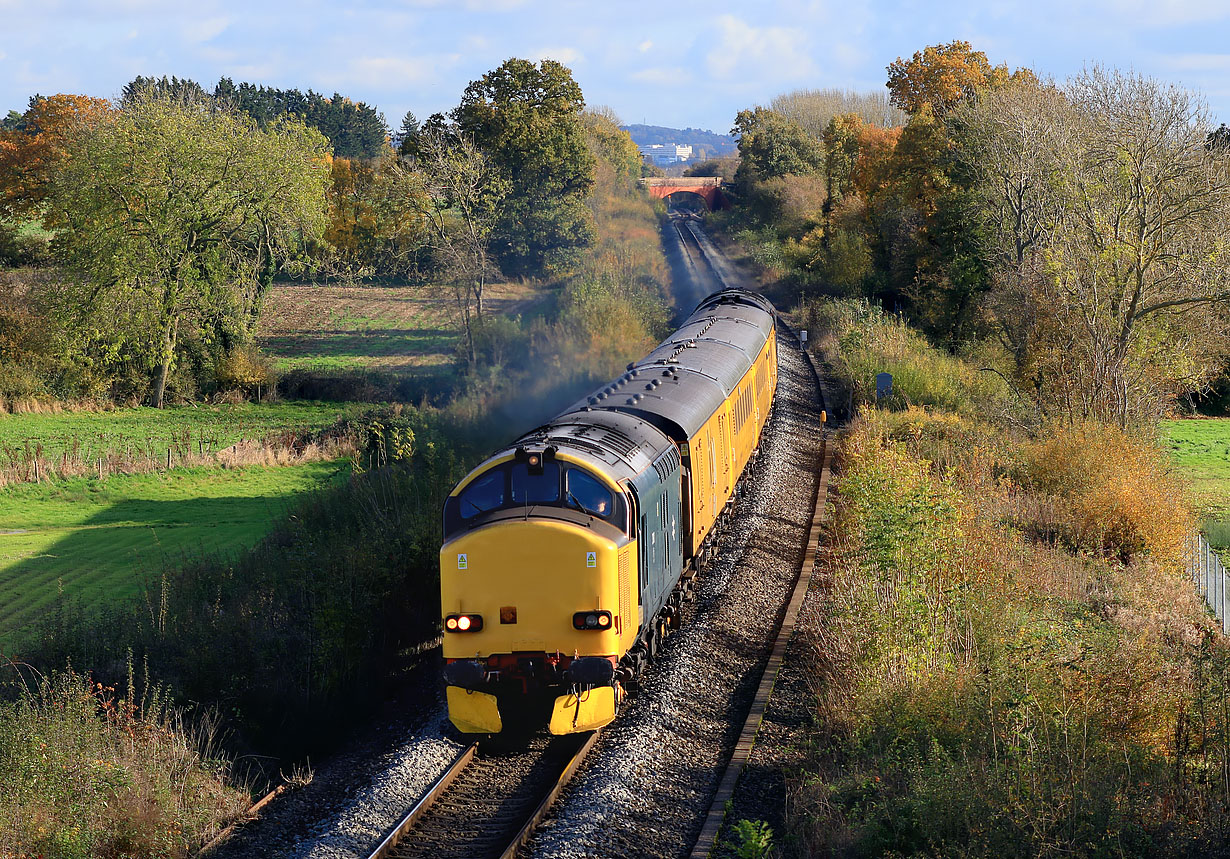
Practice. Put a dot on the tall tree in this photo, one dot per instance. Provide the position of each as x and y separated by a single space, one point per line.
408 134
466 193
172 214
770 145
528 118
1115 242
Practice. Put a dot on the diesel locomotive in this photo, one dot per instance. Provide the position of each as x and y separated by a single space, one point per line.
567 555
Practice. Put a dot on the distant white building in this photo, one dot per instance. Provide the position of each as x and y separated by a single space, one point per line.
663 154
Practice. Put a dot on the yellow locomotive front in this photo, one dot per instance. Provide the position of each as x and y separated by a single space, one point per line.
537 582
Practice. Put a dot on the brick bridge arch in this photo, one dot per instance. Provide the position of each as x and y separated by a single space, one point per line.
707 187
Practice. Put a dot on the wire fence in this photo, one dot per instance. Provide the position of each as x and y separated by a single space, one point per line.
1209 574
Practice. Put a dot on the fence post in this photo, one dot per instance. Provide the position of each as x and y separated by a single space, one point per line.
1204 560
1225 609
168 459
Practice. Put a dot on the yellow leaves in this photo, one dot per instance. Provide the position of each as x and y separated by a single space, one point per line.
1118 495
29 157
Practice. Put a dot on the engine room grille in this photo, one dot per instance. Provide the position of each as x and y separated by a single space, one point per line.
625 590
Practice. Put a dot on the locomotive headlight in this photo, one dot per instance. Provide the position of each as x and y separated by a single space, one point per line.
463 623
591 620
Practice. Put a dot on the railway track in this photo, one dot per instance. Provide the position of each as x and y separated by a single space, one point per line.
488 802
699 265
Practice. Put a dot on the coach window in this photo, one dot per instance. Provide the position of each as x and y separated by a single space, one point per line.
587 493
530 488
485 493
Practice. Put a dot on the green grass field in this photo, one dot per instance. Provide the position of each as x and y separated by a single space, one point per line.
92 434
104 541
100 541
1201 451
399 329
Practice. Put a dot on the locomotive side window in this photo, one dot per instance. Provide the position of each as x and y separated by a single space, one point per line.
587 493
485 493
535 488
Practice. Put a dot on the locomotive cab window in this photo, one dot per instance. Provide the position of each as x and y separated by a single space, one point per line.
484 494
584 491
514 484
528 488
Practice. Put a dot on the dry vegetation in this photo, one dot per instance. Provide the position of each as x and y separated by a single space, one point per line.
1012 661
91 773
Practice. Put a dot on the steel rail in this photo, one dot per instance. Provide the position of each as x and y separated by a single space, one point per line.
421 807
540 812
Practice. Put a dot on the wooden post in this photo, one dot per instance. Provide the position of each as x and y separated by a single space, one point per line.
100 468
168 459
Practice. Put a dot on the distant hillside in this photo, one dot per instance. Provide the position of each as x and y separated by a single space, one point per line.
715 145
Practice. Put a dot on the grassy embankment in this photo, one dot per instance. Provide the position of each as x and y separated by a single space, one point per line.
100 541
1011 659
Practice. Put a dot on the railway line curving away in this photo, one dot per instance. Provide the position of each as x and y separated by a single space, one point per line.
647 783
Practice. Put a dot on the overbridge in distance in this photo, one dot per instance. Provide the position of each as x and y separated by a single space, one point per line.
707 187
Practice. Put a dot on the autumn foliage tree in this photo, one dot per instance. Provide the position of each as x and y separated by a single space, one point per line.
31 153
375 223
941 76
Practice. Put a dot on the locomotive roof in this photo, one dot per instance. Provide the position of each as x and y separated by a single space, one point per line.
684 380
625 445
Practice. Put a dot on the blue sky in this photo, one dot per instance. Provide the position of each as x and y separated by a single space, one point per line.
693 64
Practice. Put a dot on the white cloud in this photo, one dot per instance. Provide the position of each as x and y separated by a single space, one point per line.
567 56
663 76
254 72
383 72
205 29
758 53
645 46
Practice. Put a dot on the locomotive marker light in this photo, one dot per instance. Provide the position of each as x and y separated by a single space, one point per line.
591 620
